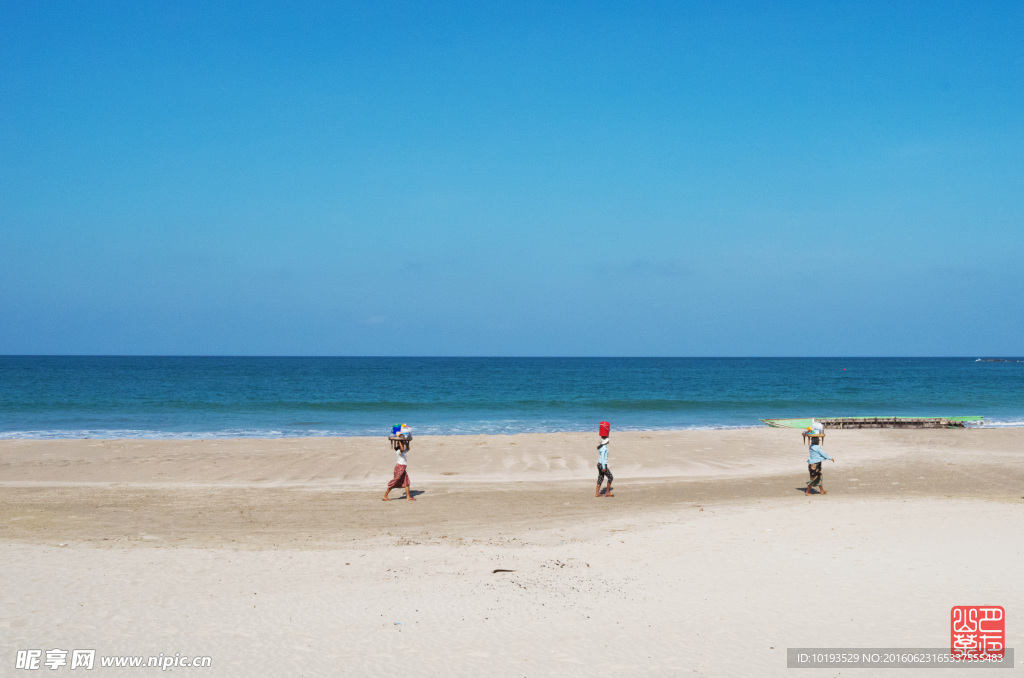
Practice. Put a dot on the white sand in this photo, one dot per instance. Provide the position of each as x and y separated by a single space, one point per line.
286 563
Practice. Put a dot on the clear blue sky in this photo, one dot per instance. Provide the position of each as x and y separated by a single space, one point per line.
803 178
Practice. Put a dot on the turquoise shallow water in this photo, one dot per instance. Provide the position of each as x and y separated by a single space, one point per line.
203 397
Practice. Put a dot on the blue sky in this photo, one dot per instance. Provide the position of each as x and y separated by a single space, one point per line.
512 179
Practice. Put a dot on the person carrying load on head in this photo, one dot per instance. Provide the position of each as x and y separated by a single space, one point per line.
602 461
815 457
401 438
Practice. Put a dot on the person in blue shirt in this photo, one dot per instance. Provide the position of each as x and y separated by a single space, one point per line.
817 455
602 469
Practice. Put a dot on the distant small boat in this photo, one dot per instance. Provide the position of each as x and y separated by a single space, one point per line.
878 422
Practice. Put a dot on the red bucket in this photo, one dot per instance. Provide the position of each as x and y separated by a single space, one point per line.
605 429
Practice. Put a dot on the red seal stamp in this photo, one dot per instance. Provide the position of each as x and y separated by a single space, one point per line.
977 631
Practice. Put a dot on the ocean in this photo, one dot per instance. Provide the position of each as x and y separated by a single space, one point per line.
217 397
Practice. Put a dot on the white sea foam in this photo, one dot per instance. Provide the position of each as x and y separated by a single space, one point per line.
112 434
483 427
474 428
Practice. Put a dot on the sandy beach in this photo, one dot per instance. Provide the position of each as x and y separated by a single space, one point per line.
277 557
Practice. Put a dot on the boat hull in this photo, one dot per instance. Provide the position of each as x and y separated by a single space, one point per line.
878 422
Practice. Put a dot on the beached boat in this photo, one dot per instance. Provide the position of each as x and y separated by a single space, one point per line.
878 422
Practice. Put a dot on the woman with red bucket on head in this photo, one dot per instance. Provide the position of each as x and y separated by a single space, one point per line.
602 461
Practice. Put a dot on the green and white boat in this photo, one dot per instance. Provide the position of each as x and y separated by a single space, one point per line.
879 422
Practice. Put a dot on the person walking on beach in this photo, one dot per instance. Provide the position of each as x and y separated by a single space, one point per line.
817 455
401 478
602 462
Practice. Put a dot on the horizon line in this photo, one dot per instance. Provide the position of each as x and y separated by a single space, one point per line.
507 357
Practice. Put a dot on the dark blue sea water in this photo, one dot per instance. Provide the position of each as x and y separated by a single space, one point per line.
204 397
